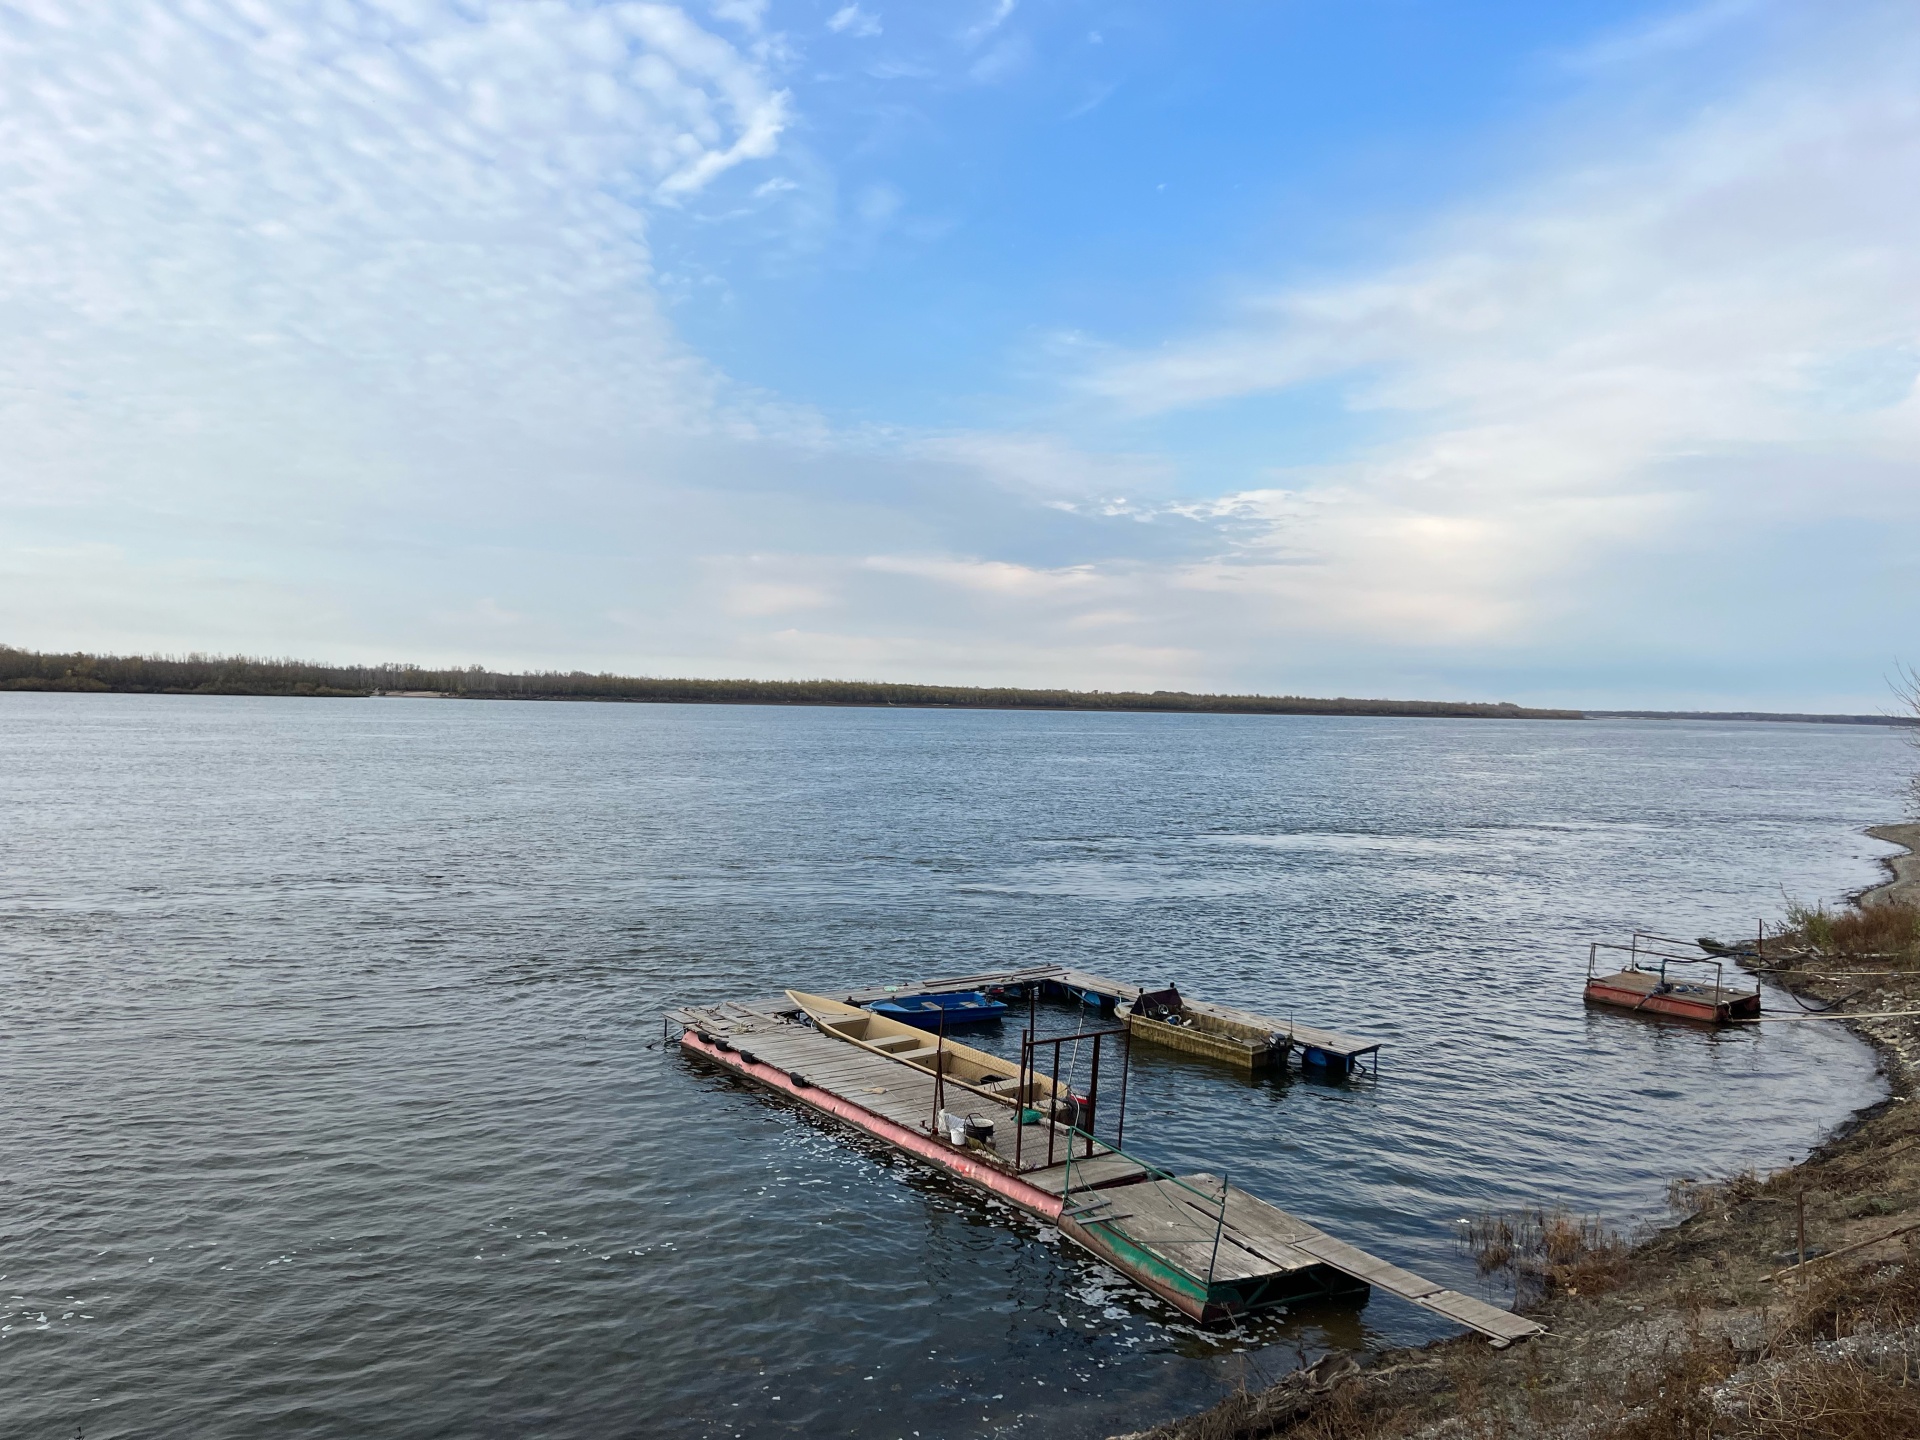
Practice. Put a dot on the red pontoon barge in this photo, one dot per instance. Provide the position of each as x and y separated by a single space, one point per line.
1655 983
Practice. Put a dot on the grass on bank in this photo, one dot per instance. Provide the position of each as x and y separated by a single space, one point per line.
1888 932
1542 1252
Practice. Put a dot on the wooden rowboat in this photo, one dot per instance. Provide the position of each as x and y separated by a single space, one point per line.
975 1070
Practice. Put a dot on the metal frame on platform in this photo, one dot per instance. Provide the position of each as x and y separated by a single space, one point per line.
1079 1123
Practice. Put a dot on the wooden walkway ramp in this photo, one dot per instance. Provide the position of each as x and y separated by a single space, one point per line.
1213 1250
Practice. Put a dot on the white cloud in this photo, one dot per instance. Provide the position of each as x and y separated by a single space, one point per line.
1652 351
997 13
749 15
1664 34
1002 61
360 224
852 21
989 577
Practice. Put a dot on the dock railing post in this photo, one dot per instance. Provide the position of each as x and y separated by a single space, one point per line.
939 1072
1218 1230
1020 1098
1093 1096
1126 1064
1053 1100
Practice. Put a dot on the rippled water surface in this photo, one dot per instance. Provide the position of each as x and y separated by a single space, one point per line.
333 1103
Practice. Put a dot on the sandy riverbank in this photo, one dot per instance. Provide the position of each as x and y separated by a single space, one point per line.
1904 887
1686 1334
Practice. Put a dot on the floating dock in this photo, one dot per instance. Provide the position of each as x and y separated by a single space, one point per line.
1205 1246
1327 1051
1655 982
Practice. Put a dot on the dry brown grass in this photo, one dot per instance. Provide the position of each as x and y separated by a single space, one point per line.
1815 1398
1807 1392
1888 932
1548 1252
1688 1196
1841 1301
1671 1398
1886 929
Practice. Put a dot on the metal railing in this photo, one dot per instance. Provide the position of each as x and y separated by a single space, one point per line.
1079 1107
1638 950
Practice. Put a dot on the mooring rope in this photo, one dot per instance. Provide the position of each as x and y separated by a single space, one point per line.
1823 1015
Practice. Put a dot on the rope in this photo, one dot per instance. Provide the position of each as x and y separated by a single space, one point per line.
1824 1015
1073 1064
1839 974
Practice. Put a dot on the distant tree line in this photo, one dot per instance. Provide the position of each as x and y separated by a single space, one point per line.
241 675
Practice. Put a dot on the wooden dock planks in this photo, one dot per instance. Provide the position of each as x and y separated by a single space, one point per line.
1172 1219
1159 1217
1104 1169
896 1091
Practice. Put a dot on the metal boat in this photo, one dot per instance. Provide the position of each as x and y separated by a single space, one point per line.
948 1011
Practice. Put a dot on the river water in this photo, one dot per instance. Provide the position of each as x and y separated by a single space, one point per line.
332 1100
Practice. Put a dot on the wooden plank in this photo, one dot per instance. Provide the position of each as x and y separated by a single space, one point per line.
820 1057
1270 1238
1160 1223
1382 1274
1100 984
866 994
820 1070
1502 1325
1104 1168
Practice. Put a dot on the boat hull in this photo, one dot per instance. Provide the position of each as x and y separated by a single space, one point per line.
1248 1052
1625 992
941 1012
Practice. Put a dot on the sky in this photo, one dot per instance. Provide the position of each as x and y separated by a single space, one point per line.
1562 354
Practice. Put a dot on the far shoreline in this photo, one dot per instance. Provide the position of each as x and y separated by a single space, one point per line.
196 674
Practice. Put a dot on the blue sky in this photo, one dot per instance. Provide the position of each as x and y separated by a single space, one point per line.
1551 353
